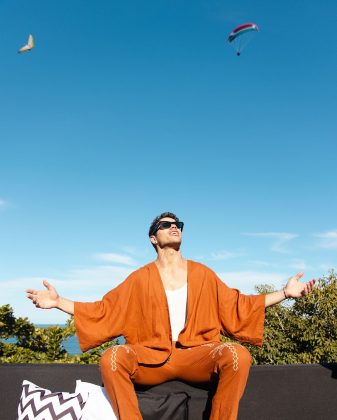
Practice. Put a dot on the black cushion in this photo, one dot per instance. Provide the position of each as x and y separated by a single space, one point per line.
171 406
198 401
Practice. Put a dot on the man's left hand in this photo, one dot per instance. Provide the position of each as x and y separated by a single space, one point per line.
295 289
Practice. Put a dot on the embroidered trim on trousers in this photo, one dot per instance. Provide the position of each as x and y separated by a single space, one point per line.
114 351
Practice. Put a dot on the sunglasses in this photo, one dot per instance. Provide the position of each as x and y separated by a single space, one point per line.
166 225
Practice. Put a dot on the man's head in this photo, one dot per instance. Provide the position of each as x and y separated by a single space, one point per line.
165 230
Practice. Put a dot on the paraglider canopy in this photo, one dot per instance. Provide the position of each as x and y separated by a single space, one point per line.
29 46
241 36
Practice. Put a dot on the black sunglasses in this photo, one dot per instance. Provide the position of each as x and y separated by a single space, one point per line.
166 225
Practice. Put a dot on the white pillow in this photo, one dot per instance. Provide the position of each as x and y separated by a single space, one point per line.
98 405
38 403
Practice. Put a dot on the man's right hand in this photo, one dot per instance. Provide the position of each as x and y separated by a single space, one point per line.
47 299
44 299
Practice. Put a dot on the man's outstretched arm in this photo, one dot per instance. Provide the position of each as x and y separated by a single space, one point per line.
293 289
48 299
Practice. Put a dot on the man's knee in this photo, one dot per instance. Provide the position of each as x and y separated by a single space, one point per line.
118 357
105 360
236 355
244 357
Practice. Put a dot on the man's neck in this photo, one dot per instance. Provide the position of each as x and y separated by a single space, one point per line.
169 258
172 268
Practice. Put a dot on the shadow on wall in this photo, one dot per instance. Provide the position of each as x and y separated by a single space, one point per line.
333 368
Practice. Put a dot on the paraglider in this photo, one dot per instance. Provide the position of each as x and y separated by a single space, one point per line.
29 46
241 36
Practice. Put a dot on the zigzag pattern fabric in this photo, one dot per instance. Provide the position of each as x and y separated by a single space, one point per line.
37 403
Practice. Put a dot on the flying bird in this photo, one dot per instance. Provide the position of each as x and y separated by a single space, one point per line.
29 46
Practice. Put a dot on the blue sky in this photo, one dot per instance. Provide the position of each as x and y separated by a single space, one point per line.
127 109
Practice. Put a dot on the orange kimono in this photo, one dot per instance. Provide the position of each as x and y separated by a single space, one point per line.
137 309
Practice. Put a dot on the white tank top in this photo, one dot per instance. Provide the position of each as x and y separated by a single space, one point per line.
177 300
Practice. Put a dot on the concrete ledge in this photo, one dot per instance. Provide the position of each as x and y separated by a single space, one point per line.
291 392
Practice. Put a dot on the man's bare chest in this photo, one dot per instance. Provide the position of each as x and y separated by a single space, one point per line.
173 279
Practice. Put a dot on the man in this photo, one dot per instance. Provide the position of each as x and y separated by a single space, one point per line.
171 313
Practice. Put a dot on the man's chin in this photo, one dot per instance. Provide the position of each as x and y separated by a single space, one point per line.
174 245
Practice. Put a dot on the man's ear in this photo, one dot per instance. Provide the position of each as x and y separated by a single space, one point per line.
153 239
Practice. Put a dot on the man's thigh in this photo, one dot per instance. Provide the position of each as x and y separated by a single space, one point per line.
192 364
153 374
200 363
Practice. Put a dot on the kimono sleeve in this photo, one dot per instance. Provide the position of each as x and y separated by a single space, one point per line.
101 321
241 316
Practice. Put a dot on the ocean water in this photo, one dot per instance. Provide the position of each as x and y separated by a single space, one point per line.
71 344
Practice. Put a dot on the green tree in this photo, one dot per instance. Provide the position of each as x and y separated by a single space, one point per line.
316 319
278 347
22 342
302 330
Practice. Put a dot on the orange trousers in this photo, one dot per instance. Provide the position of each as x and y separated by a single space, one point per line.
231 362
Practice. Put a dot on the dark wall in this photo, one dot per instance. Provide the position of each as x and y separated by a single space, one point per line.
291 392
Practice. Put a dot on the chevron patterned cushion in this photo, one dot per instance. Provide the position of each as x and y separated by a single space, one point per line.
41 404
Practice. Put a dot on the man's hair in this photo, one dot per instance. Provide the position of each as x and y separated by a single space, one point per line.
161 216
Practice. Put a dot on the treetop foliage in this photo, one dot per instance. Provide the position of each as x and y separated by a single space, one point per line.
302 330
22 342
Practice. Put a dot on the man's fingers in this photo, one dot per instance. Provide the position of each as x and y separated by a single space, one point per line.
31 291
33 298
308 287
296 277
47 284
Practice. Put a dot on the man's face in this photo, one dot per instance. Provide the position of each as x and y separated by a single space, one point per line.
167 236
